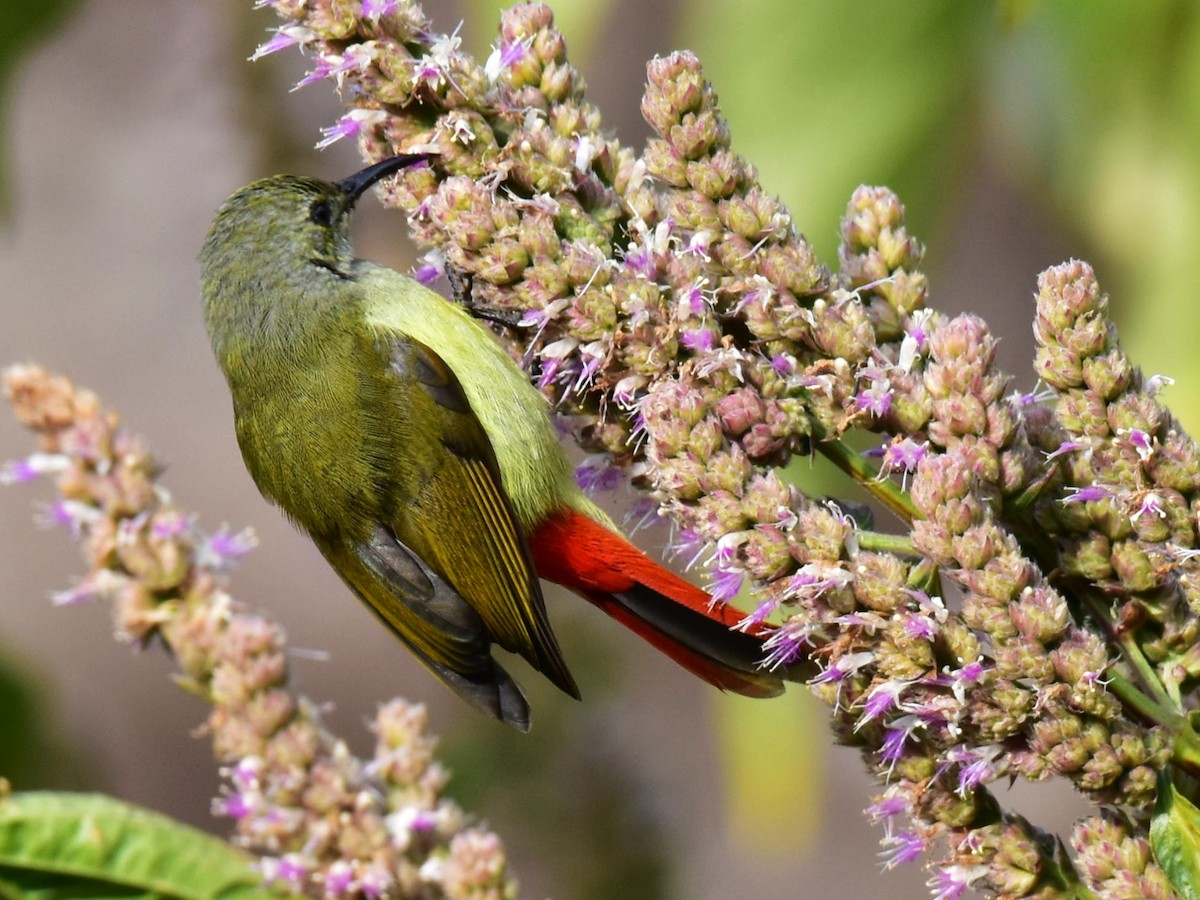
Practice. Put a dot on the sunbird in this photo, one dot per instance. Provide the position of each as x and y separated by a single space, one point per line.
396 431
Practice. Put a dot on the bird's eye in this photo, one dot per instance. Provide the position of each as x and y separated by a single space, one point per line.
321 213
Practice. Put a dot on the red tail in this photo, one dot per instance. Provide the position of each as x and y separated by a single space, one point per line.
672 614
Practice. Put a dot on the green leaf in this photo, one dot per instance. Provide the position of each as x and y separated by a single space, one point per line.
61 846
1175 837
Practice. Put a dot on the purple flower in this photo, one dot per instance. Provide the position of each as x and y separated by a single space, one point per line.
915 327
688 544
355 59
289 870
100 585
698 244
375 881
339 878
757 617
698 340
169 524
1033 398
1156 383
427 272
642 514
787 643
376 9
32 466
1143 443
324 68
916 340
593 355
815 578
246 773
1149 504
877 398
726 583
1090 494
903 455
625 392
597 473
71 514
641 261
693 302
893 745
1064 448
900 848
350 125
434 67
237 804
285 36
844 666
952 882
222 549
504 57
886 808
783 364
896 736
553 357
882 699
921 628
976 765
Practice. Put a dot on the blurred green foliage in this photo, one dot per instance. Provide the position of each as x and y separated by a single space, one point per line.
1091 111
22 27
31 753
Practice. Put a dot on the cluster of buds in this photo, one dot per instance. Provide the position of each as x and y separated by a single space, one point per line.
324 823
1040 616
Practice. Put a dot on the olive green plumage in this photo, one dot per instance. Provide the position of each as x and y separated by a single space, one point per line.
370 442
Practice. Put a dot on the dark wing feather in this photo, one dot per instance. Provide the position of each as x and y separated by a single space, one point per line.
452 512
431 619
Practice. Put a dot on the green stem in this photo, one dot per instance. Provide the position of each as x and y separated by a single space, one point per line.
1147 678
1133 698
1185 752
900 544
851 462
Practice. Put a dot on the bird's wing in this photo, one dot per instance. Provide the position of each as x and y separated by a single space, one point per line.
452 513
430 618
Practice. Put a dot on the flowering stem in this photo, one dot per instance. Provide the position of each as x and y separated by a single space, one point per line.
925 576
852 463
1185 752
1146 677
886 543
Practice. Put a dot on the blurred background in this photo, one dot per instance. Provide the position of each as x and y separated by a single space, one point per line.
1018 134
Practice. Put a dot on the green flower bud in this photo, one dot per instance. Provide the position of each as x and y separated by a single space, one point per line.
766 553
989 616
664 163
1108 375
715 176
681 476
1175 463
1082 412
822 535
1024 659
1058 366
951 808
879 581
903 663
794 267
1134 566
1065 292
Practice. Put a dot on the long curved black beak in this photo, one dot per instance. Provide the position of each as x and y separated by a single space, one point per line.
354 186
